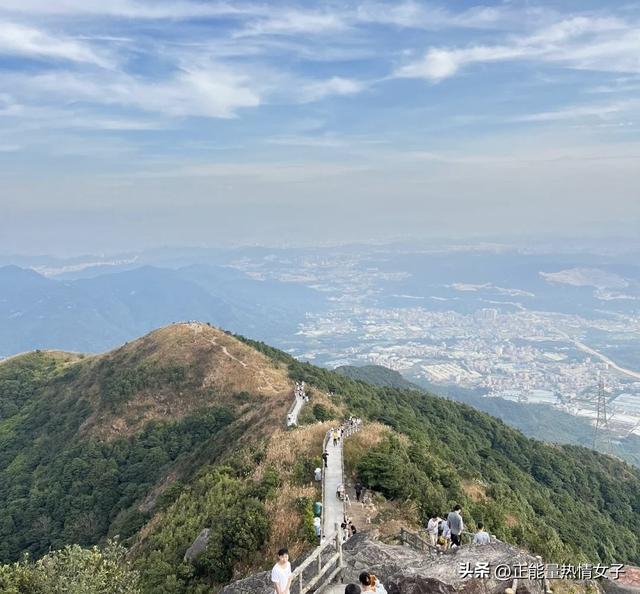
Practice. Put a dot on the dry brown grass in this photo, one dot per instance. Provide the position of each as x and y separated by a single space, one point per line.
283 450
371 435
511 521
286 447
220 365
474 490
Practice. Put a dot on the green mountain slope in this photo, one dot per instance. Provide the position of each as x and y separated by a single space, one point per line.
565 502
183 429
539 421
85 443
376 375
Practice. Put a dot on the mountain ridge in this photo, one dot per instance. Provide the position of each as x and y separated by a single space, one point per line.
188 433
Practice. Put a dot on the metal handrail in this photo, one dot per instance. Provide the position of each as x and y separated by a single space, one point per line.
322 568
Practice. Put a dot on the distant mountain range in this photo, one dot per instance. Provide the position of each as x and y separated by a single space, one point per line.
96 313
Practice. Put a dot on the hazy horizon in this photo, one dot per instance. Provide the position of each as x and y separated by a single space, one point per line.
593 244
144 123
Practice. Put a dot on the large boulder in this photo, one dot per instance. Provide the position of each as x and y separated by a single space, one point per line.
404 570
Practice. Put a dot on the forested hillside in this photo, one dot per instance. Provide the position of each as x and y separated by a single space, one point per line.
84 441
184 429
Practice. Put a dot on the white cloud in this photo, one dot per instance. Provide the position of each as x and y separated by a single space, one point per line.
215 92
314 91
414 15
129 9
592 43
602 111
441 63
22 40
295 22
270 19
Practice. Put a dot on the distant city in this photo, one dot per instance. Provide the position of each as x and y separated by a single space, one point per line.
501 350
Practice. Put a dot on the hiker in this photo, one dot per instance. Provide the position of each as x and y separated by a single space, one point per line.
432 529
456 525
345 527
446 535
482 536
281 573
325 456
358 491
317 527
370 583
353 529
335 438
352 589
317 474
340 492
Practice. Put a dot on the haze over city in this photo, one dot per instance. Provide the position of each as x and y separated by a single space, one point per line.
130 124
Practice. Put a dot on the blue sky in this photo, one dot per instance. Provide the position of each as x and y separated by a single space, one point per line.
127 123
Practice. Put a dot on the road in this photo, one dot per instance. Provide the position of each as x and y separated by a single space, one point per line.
587 349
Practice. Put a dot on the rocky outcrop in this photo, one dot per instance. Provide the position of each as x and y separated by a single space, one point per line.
403 570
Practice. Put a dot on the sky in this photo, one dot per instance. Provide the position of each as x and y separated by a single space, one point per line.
126 124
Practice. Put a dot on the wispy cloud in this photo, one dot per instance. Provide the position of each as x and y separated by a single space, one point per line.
294 22
430 16
264 18
23 40
316 90
131 9
600 111
216 91
594 43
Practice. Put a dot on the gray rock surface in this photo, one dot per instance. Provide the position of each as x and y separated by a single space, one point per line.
198 546
403 570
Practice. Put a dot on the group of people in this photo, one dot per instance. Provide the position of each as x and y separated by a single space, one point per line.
348 528
349 426
299 392
448 533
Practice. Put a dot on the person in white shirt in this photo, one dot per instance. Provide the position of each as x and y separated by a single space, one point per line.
281 573
482 536
432 529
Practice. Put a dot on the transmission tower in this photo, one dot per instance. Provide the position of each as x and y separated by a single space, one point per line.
602 435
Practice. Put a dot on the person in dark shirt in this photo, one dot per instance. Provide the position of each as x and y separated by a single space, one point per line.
456 525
